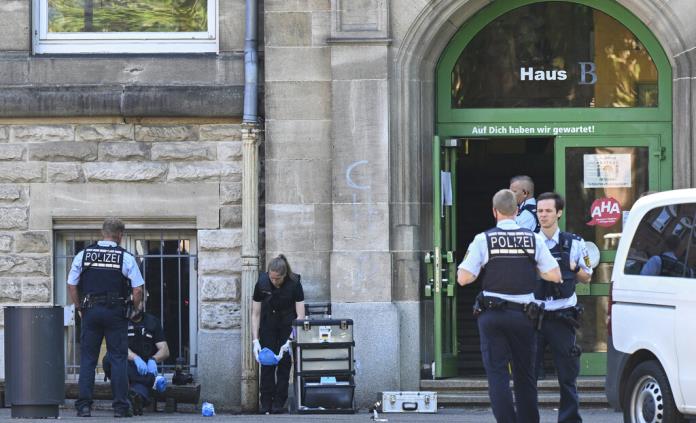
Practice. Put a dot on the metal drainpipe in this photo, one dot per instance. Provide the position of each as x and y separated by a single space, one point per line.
251 63
250 205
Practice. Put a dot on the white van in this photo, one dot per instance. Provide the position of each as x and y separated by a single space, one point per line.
651 363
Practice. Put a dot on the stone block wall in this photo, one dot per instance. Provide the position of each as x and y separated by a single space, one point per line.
298 148
134 170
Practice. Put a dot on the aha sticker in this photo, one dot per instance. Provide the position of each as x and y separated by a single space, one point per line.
604 212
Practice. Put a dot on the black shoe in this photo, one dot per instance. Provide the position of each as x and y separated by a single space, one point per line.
84 411
265 407
123 413
278 408
137 402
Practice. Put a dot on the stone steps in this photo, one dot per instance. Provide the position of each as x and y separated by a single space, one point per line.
457 392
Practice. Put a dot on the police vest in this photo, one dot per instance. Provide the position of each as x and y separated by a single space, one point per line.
141 338
561 252
102 271
673 267
532 209
511 266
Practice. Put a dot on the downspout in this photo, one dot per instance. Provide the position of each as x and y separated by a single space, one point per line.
250 206
251 64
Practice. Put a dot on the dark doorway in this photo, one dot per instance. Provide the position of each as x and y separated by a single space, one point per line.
485 166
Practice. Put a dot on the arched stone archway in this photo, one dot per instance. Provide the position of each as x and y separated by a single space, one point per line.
419 36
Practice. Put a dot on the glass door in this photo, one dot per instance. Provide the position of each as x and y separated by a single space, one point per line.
601 178
441 267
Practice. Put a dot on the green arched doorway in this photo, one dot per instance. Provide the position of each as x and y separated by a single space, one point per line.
575 94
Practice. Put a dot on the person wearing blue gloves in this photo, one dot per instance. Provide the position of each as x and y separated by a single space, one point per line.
146 349
278 300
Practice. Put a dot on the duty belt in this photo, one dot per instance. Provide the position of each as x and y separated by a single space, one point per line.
108 299
495 303
570 315
533 311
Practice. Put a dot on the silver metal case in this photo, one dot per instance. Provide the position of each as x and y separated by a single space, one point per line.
409 402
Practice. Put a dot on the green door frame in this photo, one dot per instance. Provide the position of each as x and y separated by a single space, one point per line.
659 179
447 114
609 125
441 268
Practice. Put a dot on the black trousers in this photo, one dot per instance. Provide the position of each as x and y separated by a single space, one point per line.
273 333
101 322
561 337
509 335
274 384
142 384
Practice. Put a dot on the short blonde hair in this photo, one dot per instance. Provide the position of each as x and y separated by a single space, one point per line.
504 201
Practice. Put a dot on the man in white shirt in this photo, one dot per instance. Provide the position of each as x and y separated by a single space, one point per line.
523 187
561 316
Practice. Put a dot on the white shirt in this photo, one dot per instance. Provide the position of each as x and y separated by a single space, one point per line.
129 269
578 252
477 256
526 219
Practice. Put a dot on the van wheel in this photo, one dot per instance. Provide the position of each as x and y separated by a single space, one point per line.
648 397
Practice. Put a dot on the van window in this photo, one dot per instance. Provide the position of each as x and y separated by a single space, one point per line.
664 243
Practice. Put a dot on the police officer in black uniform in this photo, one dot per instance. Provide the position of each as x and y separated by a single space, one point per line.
278 300
99 284
147 348
562 314
509 257
523 187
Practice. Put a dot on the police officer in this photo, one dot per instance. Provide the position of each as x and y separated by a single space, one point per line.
147 348
561 316
278 300
99 282
510 257
523 187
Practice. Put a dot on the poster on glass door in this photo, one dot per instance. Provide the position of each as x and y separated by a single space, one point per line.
606 170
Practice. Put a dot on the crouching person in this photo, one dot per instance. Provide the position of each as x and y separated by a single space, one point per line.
146 349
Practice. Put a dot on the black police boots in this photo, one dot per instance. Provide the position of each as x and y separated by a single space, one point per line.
278 407
265 407
137 402
84 411
123 413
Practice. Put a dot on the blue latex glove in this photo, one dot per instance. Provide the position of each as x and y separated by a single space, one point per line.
152 366
140 365
160 384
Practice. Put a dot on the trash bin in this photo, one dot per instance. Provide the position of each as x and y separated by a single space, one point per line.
34 361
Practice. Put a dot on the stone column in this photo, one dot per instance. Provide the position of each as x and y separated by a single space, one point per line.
361 260
250 260
297 144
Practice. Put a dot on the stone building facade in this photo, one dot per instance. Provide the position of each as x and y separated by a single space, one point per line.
349 107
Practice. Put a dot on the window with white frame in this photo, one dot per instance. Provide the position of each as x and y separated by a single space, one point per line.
125 26
167 262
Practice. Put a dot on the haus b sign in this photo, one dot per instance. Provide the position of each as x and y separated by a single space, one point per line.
588 74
